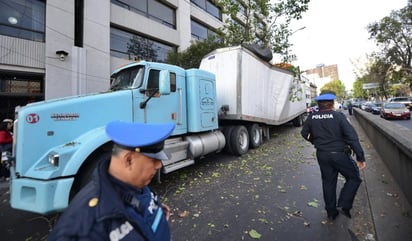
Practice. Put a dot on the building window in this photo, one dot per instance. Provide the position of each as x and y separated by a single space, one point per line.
209 7
23 19
128 45
200 32
152 9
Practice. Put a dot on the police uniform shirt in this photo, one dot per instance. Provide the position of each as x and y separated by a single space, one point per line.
330 131
99 213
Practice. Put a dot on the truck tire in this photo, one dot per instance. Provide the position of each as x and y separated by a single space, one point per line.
239 140
84 174
227 132
298 121
255 136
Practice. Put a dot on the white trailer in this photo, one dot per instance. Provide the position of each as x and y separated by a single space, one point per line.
253 91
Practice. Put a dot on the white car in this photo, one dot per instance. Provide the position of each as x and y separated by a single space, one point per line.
404 100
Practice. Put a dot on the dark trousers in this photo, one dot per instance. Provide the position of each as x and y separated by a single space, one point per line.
4 170
331 164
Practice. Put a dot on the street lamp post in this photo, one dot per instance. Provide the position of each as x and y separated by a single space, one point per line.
292 57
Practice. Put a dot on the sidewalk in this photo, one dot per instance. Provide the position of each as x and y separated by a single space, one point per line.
390 210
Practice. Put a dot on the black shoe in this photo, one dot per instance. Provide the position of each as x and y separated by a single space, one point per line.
346 212
332 215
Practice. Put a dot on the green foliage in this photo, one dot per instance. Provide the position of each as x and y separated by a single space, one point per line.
336 86
285 10
244 26
398 90
393 34
270 27
192 56
358 91
248 23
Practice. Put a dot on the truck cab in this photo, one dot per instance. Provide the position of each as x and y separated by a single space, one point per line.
59 142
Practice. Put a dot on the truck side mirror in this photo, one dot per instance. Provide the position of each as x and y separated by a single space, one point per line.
164 82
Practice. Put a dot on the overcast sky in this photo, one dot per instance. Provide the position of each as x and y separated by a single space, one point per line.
335 33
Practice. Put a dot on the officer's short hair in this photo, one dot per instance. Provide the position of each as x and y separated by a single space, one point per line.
326 104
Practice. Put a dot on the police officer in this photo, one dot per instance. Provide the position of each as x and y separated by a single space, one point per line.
117 204
334 139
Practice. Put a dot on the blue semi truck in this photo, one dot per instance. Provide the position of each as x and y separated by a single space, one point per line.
229 104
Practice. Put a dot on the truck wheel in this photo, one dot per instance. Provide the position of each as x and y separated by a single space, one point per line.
84 174
298 121
227 132
239 140
255 136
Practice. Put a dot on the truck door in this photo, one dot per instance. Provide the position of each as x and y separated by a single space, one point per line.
166 108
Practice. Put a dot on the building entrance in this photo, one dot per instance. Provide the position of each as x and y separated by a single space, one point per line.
19 89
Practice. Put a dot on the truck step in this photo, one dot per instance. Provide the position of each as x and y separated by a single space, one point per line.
177 165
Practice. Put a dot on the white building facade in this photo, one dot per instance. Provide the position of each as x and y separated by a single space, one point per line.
59 48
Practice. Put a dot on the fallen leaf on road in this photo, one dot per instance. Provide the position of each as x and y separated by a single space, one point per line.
183 214
314 203
254 234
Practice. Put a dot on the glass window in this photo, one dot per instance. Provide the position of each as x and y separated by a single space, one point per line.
134 5
127 45
152 82
213 10
209 7
200 3
126 78
201 32
172 82
23 19
260 25
153 9
242 9
162 13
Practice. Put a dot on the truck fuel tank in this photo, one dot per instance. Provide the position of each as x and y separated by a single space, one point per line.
205 143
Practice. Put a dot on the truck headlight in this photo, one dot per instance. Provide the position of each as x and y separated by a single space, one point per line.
54 158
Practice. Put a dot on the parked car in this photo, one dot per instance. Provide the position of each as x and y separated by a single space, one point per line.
364 105
394 110
404 100
357 103
375 108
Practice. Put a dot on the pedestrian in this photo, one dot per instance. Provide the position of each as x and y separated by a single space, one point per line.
6 145
334 139
350 107
117 204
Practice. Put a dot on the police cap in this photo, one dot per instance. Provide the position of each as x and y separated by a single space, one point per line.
147 139
325 97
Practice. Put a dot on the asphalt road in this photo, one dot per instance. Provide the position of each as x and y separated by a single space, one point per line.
404 123
267 192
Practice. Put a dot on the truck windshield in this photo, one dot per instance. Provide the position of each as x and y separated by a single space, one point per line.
127 78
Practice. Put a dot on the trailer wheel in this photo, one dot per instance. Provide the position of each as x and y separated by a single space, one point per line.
227 132
84 174
298 121
255 136
239 140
